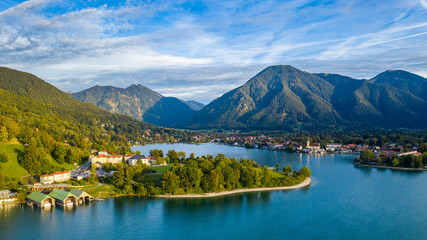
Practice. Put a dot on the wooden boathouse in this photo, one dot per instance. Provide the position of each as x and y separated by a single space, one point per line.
63 198
40 200
82 196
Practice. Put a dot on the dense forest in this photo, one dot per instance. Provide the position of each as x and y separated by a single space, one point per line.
202 175
57 131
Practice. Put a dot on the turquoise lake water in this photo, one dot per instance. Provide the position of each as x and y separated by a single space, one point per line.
343 202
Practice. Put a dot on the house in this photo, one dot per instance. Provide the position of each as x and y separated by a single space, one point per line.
82 196
114 159
332 147
40 200
134 160
55 177
63 198
7 197
46 187
152 160
312 146
415 153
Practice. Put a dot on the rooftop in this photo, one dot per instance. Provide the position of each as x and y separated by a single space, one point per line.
37 196
60 194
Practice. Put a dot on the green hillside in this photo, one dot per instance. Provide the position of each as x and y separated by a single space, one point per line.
403 80
11 168
59 130
279 97
285 98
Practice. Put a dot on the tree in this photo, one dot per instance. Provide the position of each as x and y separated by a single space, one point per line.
422 148
305 171
366 156
266 176
210 182
93 173
395 162
287 169
3 157
3 134
141 190
119 177
173 155
128 189
418 162
2 180
170 182
59 153
160 160
181 154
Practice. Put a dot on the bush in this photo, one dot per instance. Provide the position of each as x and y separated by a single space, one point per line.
305 171
3 157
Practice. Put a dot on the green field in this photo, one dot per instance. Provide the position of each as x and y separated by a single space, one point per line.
102 191
151 178
12 168
276 174
161 168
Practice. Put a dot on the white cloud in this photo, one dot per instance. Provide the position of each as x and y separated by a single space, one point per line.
424 3
169 48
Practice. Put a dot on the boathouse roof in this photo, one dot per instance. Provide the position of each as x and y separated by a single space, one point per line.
37 196
61 194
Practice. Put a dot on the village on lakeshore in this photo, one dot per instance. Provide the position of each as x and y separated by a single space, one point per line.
53 188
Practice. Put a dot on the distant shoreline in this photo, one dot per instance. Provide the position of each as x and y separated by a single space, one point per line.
390 167
305 183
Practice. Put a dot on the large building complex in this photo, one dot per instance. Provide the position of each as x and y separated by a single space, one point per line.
55 177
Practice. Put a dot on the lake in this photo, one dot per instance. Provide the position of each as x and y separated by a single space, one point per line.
343 202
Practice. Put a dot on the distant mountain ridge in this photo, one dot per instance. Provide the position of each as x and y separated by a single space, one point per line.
139 102
403 80
285 98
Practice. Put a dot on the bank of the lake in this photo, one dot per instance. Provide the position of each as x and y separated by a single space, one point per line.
305 183
390 167
342 202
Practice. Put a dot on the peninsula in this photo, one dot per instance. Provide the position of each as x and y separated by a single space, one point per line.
305 183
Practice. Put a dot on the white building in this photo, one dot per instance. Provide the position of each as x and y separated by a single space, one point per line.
114 159
134 160
55 177
332 147
6 196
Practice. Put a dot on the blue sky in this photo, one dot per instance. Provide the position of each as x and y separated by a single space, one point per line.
202 49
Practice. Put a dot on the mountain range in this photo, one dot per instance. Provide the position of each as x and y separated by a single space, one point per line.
278 98
285 98
141 103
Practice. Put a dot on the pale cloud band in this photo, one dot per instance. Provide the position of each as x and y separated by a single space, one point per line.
200 50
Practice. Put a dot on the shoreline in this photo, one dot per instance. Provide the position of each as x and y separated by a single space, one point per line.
390 167
305 183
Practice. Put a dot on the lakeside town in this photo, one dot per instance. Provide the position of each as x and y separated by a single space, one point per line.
54 189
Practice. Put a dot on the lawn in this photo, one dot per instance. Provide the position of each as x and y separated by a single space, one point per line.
161 168
148 178
12 168
276 174
102 191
